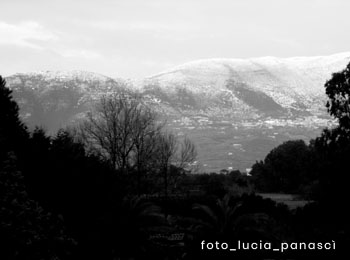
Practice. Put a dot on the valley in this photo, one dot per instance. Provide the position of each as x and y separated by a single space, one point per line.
230 145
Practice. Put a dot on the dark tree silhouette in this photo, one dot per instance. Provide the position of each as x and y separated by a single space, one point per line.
117 128
13 133
338 91
130 135
285 168
27 231
332 149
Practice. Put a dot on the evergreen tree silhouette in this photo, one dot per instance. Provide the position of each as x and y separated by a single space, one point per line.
13 133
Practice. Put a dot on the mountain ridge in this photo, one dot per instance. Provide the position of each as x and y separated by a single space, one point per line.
227 108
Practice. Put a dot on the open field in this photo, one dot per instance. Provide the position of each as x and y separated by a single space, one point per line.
288 199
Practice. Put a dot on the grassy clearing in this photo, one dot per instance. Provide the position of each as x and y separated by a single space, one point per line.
288 199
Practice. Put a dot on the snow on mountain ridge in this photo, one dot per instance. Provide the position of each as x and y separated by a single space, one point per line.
215 63
67 75
293 83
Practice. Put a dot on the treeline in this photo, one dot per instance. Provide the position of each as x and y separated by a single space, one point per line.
313 171
28 230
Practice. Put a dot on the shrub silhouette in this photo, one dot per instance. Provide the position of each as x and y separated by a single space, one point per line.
27 231
129 225
230 220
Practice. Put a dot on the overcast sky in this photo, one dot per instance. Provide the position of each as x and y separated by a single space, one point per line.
137 38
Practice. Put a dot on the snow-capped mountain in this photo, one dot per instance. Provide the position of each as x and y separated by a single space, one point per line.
264 85
236 110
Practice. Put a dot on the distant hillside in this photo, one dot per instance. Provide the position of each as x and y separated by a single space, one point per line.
236 110
55 99
261 86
